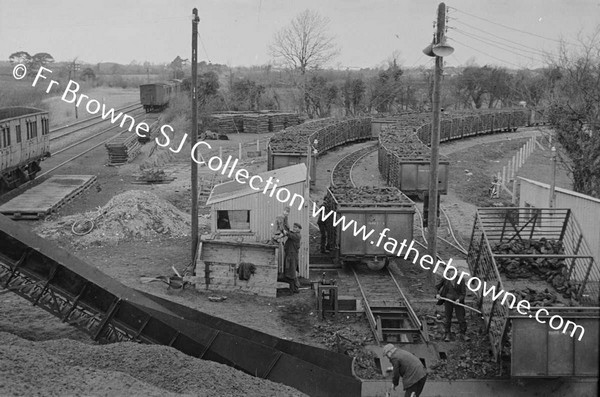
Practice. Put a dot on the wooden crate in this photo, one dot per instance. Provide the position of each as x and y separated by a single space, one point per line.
219 260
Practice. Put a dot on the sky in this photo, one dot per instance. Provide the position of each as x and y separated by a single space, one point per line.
507 33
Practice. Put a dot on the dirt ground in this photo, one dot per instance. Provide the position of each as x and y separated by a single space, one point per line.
288 316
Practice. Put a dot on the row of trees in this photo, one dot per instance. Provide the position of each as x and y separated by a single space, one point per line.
569 88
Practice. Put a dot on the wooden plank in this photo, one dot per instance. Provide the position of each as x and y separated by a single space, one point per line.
48 196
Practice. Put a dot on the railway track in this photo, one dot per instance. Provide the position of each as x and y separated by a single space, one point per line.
66 155
452 248
342 171
70 129
389 313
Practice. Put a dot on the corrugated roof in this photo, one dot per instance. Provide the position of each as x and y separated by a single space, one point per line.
234 189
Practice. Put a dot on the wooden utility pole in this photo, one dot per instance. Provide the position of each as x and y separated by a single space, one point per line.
435 137
194 134
75 68
553 182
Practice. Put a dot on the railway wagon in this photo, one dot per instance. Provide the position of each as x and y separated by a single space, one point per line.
541 256
291 146
24 143
155 97
375 208
411 175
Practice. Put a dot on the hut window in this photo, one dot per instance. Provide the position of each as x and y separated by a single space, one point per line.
233 220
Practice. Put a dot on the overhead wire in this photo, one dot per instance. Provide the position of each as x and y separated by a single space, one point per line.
511 28
532 49
499 46
485 53
502 46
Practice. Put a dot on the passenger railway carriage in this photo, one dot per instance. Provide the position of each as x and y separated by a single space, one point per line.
24 143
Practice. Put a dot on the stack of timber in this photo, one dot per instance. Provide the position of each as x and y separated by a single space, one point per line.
277 122
222 123
256 123
292 119
123 149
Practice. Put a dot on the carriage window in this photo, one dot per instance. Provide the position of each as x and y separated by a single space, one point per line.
45 130
18 132
5 138
34 129
233 220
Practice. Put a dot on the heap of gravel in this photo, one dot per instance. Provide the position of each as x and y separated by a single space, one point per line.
67 367
131 215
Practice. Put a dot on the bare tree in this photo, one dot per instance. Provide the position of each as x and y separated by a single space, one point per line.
575 111
305 43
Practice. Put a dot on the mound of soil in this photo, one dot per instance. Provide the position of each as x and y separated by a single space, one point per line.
62 367
132 215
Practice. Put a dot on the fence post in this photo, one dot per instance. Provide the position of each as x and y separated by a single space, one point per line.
522 153
514 190
240 151
221 152
503 176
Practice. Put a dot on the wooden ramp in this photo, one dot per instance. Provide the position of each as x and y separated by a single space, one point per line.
47 197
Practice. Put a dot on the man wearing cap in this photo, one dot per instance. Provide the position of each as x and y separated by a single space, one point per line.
456 292
409 367
292 246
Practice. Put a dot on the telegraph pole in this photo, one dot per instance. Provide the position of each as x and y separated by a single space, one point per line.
432 224
553 182
75 68
194 134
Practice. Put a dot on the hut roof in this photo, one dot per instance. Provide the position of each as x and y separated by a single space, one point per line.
234 189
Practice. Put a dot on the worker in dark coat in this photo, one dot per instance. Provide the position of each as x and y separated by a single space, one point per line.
323 230
456 292
292 246
409 367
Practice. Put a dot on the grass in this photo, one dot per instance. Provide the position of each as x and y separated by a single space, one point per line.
62 113
472 170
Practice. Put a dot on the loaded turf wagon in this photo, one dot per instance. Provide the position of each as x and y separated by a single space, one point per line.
374 208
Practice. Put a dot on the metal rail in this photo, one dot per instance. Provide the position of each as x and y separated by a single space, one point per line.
131 107
398 310
342 170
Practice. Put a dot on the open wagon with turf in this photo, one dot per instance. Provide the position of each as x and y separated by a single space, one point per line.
375 209
538 255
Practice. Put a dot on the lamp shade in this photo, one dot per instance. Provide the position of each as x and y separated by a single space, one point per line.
442 49
429 51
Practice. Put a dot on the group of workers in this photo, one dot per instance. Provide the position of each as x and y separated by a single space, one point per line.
406 365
